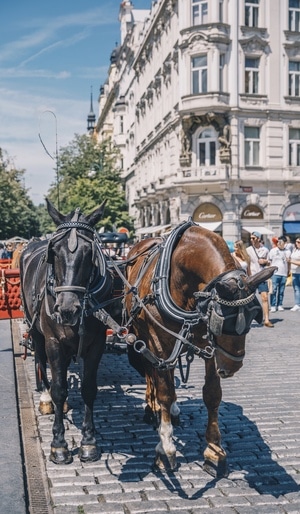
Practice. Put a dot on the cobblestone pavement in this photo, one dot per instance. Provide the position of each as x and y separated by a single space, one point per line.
259 421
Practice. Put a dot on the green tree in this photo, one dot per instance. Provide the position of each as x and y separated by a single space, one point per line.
88 174
18 215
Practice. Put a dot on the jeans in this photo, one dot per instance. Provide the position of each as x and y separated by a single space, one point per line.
278 286
296 287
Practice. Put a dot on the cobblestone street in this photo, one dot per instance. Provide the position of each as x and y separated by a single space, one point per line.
259 421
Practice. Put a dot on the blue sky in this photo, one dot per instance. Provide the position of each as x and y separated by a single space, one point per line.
51 53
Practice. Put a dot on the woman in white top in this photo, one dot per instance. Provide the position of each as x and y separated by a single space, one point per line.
295 269
241 256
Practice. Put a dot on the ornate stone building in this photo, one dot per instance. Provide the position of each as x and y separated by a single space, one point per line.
203 100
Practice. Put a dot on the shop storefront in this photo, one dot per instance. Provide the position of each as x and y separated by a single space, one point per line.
252 219
209 216
291 221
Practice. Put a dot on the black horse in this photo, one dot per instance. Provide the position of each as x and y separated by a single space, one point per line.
63 281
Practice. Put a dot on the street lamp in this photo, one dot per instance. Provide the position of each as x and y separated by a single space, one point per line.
55 156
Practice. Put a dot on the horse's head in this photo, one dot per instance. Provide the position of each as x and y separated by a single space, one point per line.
228 305
74 259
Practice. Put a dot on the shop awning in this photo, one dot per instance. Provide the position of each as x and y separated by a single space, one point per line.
291 227
157 229
261 230
210 226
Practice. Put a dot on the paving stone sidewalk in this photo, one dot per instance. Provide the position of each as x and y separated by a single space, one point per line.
259 421
12 489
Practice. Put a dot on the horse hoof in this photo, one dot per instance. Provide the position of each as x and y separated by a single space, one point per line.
46 408
88 453
60 456
215 463
165 462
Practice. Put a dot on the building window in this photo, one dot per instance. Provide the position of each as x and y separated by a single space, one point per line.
294 15
207 148
121 124
199 12
221 72
251 13
221 15
251 75
294 78
294 147
199 74
252 139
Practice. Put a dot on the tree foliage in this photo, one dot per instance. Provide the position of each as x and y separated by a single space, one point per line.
88 173
17 212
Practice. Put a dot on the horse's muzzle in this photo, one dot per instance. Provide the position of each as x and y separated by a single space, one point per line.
228 370
67 309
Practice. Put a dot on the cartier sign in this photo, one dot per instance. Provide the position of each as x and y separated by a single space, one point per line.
207 212
252 212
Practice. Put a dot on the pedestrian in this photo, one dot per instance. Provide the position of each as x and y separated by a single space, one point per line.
2 251
289 244
295 270
4 254
279 256
258 254
9 250
241 256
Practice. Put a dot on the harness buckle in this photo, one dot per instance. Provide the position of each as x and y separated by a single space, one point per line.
122 332
139 346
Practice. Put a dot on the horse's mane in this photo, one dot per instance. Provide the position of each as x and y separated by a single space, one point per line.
15 263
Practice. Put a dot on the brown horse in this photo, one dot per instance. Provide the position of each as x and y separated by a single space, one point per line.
186 294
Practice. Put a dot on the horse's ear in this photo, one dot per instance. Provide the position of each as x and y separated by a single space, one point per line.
96 215
57 217
260 277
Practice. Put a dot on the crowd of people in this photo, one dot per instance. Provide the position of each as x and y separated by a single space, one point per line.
285 256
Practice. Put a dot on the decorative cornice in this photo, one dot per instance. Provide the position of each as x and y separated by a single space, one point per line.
208 33
255 44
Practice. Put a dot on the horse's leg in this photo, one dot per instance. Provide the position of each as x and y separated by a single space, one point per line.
46 405
88 451
214 455
166 397
60 453
152 409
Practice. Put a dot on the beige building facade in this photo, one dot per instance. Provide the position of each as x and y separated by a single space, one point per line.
203 100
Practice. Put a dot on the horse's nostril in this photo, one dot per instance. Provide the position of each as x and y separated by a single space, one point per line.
223 373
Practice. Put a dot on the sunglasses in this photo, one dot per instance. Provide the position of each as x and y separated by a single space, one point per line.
253 237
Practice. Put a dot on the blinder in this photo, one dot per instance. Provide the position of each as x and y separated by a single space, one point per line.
228 310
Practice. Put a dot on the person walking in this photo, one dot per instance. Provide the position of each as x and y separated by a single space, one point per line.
279 256
2 251
258 254
241 256
295 270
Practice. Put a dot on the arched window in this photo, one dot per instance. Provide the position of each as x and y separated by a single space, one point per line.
206 147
